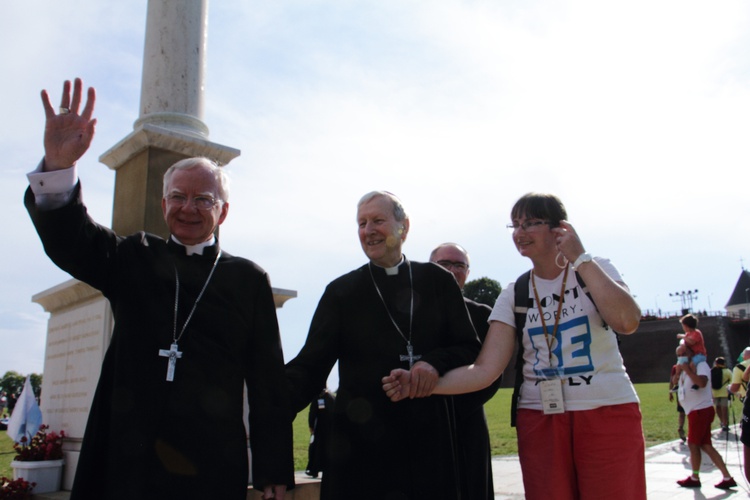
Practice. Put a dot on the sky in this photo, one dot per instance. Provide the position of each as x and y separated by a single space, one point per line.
634 113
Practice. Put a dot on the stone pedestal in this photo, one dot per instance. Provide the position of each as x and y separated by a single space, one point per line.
170 124
140 161
78 333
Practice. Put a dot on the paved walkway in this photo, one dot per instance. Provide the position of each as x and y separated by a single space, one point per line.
665 464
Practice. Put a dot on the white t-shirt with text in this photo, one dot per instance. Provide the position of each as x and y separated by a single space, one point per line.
585 354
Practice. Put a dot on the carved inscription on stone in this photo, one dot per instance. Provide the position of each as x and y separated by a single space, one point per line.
76 341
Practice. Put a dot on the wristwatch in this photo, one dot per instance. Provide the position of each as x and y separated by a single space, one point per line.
582 259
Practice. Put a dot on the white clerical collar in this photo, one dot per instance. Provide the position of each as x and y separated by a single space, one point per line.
195 249
392 271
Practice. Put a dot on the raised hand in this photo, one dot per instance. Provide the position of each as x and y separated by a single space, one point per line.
568 242
68 135
396 385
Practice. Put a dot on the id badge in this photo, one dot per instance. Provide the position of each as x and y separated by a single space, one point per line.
552 396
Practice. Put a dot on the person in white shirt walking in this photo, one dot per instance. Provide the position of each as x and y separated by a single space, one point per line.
695 396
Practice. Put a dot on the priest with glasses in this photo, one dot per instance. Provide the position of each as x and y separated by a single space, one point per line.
192 325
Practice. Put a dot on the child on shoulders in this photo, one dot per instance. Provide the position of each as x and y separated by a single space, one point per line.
693 338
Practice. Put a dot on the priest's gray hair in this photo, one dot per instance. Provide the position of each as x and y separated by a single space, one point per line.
398 208
222 179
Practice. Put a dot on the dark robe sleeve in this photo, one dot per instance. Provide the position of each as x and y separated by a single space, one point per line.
461 344
74 242
270 418
308 372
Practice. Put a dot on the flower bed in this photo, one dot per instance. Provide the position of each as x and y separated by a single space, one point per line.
43 446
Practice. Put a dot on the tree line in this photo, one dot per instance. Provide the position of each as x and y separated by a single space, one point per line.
483 290
11 385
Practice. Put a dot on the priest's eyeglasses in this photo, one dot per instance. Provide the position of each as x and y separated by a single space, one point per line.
528 226
199 202
454 264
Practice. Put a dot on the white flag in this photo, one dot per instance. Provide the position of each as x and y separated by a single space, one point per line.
27 417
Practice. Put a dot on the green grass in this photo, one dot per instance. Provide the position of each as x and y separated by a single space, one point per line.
659 425
6 455
660 416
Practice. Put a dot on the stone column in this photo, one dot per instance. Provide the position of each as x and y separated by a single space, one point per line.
170 126
174 66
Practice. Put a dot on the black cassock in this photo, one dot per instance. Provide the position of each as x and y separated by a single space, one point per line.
319 420
379 449
475 453
148 438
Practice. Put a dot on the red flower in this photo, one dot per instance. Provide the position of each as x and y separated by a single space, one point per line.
43 446
17 489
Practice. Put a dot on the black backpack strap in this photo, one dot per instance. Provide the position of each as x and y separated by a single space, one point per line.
521 299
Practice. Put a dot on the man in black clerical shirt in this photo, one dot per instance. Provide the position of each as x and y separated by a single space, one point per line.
192 325
475 454
391 312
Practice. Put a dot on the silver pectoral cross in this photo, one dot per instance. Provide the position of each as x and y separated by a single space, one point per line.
172 353
410 357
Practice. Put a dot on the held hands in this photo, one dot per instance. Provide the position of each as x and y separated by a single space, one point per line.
424 378
68 135
419 382
568 242
397 384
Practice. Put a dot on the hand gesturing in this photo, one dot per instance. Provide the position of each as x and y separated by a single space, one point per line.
68 135
567 240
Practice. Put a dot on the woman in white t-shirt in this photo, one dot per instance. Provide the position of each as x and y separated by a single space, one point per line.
578 418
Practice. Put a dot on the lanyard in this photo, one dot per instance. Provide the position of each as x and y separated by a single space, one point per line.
557 317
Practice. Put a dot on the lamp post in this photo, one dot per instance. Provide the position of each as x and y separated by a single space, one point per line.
686 299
